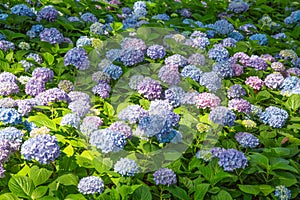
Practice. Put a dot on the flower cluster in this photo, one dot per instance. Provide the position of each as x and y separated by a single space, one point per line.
274 116
246 139
164 176
91 185
232 159
126 167
77 57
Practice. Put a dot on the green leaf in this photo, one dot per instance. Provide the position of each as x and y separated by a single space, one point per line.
39 176
108 109
49 58
259 159
75 197
266 189
219 176
21 186
103 165
8 196
42 120
68 179
250 189
178 192
283 166
142 193
201 190
263 95
39 192
116 26
69 151
49 198
222 195
293 103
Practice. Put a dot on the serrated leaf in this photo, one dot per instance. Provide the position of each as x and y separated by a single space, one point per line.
259 159
42 120
49 58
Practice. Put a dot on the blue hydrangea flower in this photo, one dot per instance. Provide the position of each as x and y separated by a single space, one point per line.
156 52
229 42
90 185
89 17
48 13
121 127
10 116
216 151
90 124
3 16
218 53
261 38
83 41
113 71
108 140
223 27
163 17
164 176
132 113
73 19
191 71
139 4
223 68
200 42
273 116
113 54
236 35
22 10
51 35
236 91
246 139
130 57
238 6
71 120
174 95
126 167
211 81
11 134
77 57
166 136
282 192
222 115
79 107
42 148
232 159
2 37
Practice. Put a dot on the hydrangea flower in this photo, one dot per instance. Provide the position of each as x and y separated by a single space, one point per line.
248 123
150 88
135 81
90 185
90 124
102 89
278 66
223 68
22 10
8 77
8 88
66 85
207 100
216 151
163 17
79 107
222 116
211 81
254 82
156 52
236 91
43 74
246 139
274 80
126 167
7 102
176 60
223 27
121 127
197 59
42 148
6 45
83 41
23 45
108 140
238 6
71 120
133 43
164 176
52 95
130 57
169 74
236 35
229 42
240 105
132 114
257 63
12 134
77 57
218 53
51 35
232 159
282 192
273 116
48 13
88 17
191 71
98 28
174 95
76 95
5 150
113 71
36 57
261 38
25 105
200 42
10 116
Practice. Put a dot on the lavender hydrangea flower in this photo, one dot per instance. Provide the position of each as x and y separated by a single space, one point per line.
102 89
91 185
135 81
293 70
130 57
90 124
42 148
8 77
150 88
88 17
76 95
6 45
36 57
13 135
22 10
236 91
73 19
191 71
207 100
254 82
133 43
240 57
240 105
273 116
2 171
8 88
222 116
197 59
216 151
176 60
248 28
261 38
126 167
10 116
229 42
100 77
164 176
156 52
7 102
223 68
121 127
282 192
43 74
257 63
71 120
274 80
113 71
218 53
52 95
278 66
25 105
51 35
232 159
77 57
34 87
5 150
238 6
48 13
132 114
108 140
211 81
246 139
200 42
174 95
79 107
169 74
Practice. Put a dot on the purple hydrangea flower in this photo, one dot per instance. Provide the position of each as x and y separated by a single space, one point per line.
174 95
34 87
2 171
90 185
8 77
100 76
273 116
164 176
77 57
150 88
176 60
51 35
216 151
218 53
90 124
207 100
240 57
232 159
8 88
10 116
42 148
130 57
88 17
236 91
76 95
43 74
52 95
169 74
274 80
238 6
237 69
25 105
240 105
278 66
48 13
121 127
108 140
222 116
200 42
246 139
254 82
79 107
189 98
6 45
102 89
211 81
197 59
5 150
229 42
135 81
132 114
74 19
126 167
156 52
257 63
248 28
36 57
223 68
133 43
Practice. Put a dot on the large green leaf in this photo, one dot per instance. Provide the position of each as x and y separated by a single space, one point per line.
39 192
21 186
201 190
178 192
68 179
39 176
293 103
250 189
142 193
222 195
